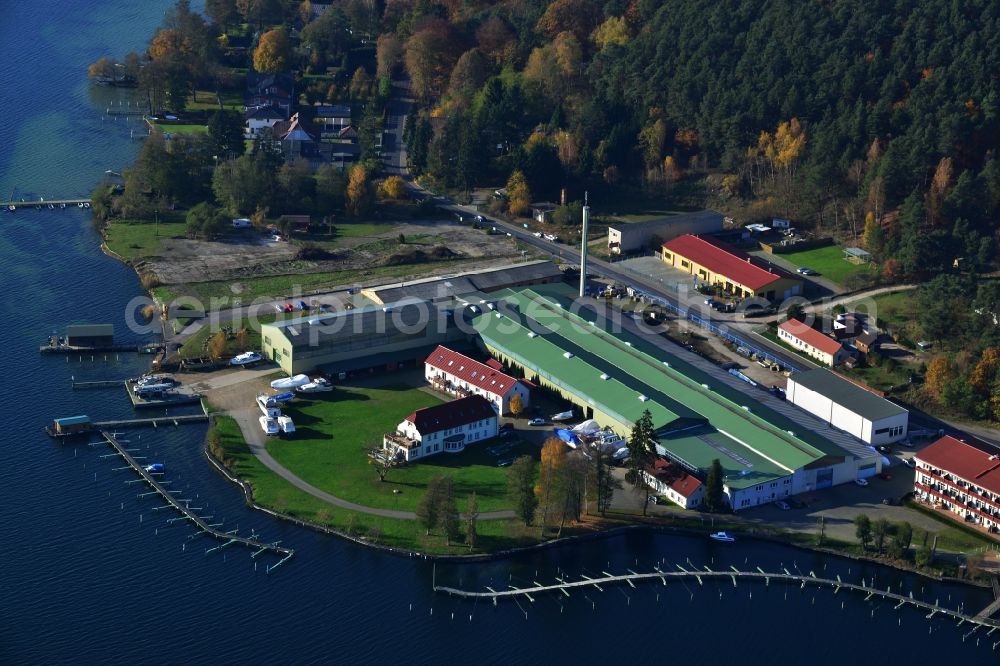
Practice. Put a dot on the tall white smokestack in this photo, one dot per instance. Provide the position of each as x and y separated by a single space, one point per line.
583 248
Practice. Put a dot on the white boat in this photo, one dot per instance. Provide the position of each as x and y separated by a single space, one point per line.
722 536
286 424
269 426
562 416
267 408
315 386
245 358
266 401
290 382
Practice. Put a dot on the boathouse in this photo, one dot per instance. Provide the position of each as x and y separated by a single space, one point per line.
90 335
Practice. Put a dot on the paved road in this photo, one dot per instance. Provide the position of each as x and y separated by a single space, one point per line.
235 392
393 145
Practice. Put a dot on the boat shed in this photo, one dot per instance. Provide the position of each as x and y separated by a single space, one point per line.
90 335
71 424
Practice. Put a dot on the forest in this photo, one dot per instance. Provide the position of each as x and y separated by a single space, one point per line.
876 121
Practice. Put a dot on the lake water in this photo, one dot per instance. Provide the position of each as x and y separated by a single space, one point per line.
90 573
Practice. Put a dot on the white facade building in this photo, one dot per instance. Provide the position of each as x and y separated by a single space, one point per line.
445 428
962 477
847 406
675 484
457 374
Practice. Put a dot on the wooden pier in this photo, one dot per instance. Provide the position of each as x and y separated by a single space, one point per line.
155 422
188 513
45 203
565 586
150 348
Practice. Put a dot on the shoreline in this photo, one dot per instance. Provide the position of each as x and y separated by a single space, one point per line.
559 542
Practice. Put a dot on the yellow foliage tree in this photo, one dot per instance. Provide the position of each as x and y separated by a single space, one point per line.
671 171
516 405
613 32
995 403
357 197
872 237
169 44
217 345
985 371
518 193
940 372
394 187
272 52
553 457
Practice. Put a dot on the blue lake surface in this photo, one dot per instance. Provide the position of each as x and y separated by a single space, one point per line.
91 574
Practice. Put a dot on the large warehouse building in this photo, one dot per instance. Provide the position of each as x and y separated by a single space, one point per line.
626 237
613 378
847 406
735 272
373 337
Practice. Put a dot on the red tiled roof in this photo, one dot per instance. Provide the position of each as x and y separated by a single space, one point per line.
679 481
974 464
452 414
811 336
471 371
728 262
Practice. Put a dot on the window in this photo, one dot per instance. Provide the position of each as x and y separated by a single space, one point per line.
685 264
267 339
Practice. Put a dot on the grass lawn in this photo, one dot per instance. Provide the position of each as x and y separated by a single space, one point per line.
828 261
208 101
899 312
334 432
953 535
140 239
171 128
272 491
880 377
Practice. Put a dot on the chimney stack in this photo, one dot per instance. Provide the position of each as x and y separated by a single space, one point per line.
583 245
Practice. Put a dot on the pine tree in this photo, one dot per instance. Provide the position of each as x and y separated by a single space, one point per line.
521 488
427 507
714 488
641 454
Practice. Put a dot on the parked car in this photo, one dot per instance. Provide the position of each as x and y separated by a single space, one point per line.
861 482
536 422
781 504
806 271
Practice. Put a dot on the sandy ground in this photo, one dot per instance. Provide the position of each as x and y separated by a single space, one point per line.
186 260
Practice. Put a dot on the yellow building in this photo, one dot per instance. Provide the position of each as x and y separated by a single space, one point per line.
735 272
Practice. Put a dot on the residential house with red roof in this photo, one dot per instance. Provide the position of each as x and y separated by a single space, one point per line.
961 477
445 428
675 483
457 374
736 273
822 347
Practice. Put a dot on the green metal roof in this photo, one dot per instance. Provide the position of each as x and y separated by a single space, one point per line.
745 436
73 420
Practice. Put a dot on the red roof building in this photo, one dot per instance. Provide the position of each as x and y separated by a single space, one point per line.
962 477
457 374
675 483
444 428
735 272
814 343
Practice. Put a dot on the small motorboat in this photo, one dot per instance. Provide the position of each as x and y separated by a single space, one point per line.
12 208
269 426
286 424
79 204
86 204
62 205
51 207
283 397
315 386
723 536
155 468
290 382
246 358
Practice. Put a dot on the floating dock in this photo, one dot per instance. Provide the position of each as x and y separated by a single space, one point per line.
154 422
178 395
187 513
564 587
150 348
